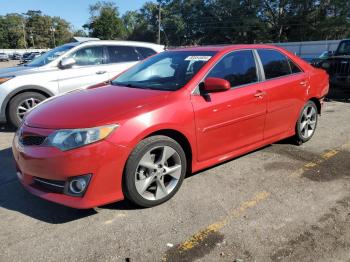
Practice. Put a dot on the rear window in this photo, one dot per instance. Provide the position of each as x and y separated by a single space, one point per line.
145 52
275 64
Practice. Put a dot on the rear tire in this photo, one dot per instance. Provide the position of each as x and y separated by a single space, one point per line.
154 171
307 122
20 104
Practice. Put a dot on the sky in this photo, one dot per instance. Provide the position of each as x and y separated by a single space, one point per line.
74 11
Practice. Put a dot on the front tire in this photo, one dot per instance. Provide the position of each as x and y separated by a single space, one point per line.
154 171
21 104
307 123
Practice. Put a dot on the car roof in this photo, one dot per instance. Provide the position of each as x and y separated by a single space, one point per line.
218 48
117 42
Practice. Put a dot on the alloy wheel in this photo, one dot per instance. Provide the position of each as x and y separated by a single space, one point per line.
308 122
158 172
26 105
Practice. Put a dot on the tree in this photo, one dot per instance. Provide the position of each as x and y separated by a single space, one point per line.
105 22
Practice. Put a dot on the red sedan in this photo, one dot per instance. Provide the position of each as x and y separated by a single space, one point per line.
175 113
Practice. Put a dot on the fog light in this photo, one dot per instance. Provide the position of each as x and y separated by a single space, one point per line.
77 186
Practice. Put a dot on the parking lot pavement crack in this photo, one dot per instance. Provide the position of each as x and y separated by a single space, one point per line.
205 240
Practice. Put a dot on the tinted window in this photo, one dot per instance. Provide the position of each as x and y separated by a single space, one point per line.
145 52
238 68
275 64
89 56
295 69
118 54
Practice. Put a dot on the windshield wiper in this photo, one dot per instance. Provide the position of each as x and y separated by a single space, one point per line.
126 84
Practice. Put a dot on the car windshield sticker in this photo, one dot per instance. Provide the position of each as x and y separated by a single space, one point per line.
197 58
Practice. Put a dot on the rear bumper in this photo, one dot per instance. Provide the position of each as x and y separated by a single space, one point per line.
103 160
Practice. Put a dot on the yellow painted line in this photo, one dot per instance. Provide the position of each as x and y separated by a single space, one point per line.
197 238
323 157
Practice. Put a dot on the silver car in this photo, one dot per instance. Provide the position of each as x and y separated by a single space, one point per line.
4 57
65 68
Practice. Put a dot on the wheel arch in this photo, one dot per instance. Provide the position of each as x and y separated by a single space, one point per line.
181 139
317 103
38 89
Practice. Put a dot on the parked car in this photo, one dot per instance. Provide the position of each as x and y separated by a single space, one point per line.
177 112
4 57
337 65
16 56
67 67
30 57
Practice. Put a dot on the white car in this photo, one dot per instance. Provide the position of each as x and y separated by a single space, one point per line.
65 68
4 57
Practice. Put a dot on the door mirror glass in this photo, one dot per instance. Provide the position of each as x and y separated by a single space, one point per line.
67 62
213 84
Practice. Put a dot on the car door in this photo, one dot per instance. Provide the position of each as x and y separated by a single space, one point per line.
232 119
121 58
90 68
286 85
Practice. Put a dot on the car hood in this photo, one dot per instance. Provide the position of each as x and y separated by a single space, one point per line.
94 107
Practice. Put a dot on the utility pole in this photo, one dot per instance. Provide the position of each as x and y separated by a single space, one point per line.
159 22
24 35
53 29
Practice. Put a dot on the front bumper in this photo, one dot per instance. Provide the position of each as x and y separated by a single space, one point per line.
103 160
341 81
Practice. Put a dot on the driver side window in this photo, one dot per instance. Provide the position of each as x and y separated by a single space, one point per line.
238 68
89 56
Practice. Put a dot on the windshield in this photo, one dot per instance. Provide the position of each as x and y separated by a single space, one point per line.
50 55
166 71
344 48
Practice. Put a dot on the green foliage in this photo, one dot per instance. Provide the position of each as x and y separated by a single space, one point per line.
33 29
105 22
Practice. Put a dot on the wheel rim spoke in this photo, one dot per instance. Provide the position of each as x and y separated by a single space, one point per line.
166 154
161 190
174 171
143 184
148 161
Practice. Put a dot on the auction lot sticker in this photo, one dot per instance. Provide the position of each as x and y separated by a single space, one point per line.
197 58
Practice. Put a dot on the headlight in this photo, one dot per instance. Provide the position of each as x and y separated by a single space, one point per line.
4 79
67 139
325 65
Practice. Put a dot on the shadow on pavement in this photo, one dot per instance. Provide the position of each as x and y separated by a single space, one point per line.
4 128
14 197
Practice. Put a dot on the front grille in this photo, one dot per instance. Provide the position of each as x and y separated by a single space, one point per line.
340 67
32 140
49 185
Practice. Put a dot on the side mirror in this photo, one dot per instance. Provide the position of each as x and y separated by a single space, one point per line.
213 84
67 62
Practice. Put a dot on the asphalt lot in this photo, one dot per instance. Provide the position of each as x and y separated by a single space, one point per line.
279 203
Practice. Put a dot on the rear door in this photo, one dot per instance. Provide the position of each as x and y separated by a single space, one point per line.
231 119
286 85
121 58
90 69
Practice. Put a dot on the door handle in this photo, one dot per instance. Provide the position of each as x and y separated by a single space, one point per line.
101 72
304 83
260 94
